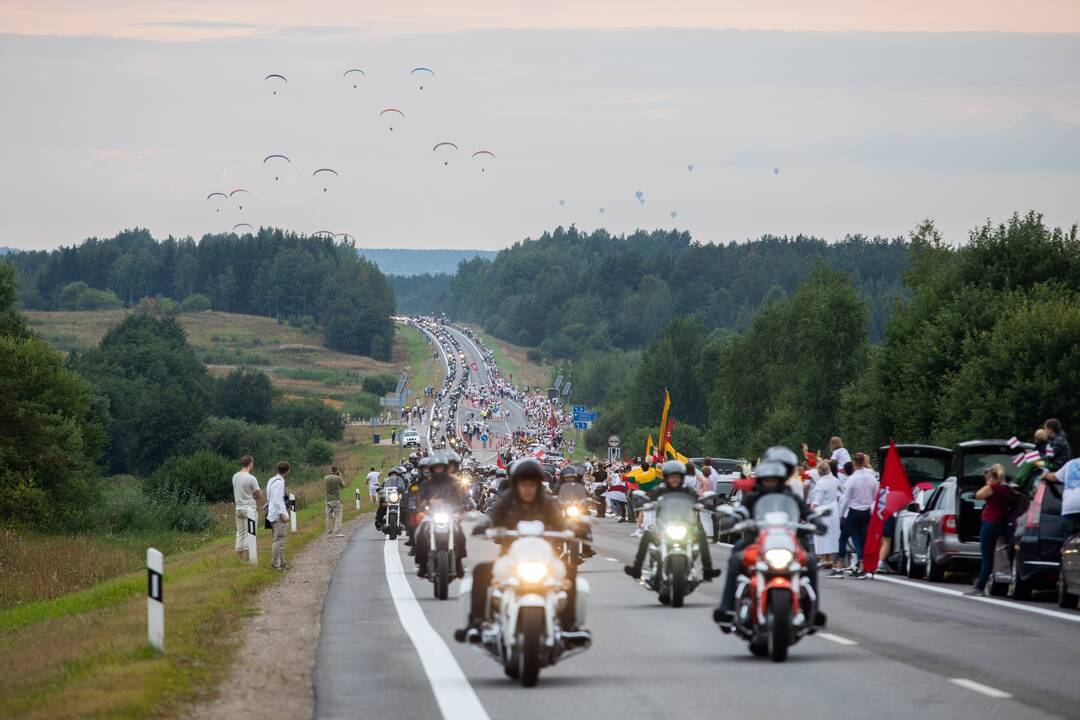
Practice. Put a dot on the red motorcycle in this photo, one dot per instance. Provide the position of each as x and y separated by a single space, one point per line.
775 605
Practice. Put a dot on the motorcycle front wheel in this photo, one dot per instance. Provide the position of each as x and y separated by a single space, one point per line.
530 643
779 625
442 574
392 522
677 572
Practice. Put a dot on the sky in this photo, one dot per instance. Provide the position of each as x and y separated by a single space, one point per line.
812 116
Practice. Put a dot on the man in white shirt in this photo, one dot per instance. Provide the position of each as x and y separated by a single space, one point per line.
246 496
860 493
277 512
373 485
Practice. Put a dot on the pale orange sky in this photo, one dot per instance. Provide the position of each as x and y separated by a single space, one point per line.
178 20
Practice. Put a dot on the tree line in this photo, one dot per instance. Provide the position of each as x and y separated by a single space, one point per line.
271 273
986 345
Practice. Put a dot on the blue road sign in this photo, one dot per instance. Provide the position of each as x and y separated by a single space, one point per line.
581 424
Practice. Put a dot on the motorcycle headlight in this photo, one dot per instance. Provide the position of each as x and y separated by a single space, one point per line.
392 496
532 572
778 558
573 511
676 532
441 518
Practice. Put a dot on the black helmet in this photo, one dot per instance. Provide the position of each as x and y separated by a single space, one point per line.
780 454
438 458
424 462
570 471
527 469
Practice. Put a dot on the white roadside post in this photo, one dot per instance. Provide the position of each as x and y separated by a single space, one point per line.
357 498
155 604
252 545
292 512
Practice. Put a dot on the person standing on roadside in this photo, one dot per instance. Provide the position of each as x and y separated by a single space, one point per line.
995 520
840 455
1058 443
860 492
373 485
277 513
246 495
1069 476
334 482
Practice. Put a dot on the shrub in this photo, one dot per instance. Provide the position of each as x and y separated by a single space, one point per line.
362 405
380 384
127 506
165 304
319 452
245 393
195 302
204 473
234 438
93 299
313 416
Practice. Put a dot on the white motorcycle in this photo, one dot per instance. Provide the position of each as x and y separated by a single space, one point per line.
530 586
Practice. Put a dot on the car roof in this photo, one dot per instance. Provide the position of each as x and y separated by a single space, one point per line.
989 445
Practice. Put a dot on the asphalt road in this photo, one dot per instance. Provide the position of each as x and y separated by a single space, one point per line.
894 648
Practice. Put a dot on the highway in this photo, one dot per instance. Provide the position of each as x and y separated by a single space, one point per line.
894 648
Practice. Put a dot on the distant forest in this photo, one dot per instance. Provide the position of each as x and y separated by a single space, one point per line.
397 261
272 273
569 291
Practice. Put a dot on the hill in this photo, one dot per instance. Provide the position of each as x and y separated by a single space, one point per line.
395 261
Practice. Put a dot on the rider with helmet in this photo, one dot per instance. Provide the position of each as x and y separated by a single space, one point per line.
770 476
570 489
524 501
674 473
443 487
394 479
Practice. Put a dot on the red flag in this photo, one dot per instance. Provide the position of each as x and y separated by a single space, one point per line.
667 433
894 492
499 461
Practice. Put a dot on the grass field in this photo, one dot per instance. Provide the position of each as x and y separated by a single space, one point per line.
85 655
296 361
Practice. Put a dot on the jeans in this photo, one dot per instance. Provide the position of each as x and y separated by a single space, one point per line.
841 561
989 533
858 522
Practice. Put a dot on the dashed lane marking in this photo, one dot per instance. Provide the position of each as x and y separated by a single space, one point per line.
836 639
980 688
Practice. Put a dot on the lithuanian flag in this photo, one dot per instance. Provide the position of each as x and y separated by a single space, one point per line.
645 479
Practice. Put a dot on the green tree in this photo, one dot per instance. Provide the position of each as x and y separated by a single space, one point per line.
246 393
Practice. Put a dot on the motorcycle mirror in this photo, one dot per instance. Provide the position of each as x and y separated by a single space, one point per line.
824 512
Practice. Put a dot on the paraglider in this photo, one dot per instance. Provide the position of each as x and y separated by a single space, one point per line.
277 160
445 144
483 153
325 170
278 79
422 71
391 111
240 190
242 225
213 195
357 71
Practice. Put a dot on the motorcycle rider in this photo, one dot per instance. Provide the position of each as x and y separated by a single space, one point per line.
571 475
674 473
445 488
770 476
412 506
524 501
394 479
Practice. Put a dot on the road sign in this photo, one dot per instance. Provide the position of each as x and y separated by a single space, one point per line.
578 409
613 441
582 424
558 382
566 390
155 598
589 416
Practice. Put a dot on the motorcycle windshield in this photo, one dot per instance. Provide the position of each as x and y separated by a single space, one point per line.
675 507
573 492
776 508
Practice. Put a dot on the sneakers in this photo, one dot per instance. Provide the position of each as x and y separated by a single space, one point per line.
820 619
637 533
975 592
724 618
836 573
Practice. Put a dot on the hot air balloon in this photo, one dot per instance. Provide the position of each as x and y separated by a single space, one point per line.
601 211
674 214
561 202
690 168
639 194
776 171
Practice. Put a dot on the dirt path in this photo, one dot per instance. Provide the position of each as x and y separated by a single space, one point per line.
273 668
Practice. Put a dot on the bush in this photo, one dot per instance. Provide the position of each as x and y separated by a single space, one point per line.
80 296
195 302
165 305
362 405
204 473
380 384
234 438
127 506
319 452
245 393
313 416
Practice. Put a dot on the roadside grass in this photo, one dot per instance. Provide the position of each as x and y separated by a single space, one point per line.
85 654
423 368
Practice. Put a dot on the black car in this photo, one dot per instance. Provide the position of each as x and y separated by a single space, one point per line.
1031 558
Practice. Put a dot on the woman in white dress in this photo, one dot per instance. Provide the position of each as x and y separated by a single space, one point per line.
826 493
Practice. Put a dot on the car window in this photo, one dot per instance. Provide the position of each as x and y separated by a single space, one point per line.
976 463
947 499
925 469
931 503
1051 504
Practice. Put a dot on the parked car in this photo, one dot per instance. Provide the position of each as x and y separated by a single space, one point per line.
729 470
945 535
1031 558
410 438
1068 585
926 467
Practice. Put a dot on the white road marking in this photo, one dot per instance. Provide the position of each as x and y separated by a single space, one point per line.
456 698
836 639
992 601
980 688
611 559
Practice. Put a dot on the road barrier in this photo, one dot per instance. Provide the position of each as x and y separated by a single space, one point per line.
357 498
252 544
292 512
155 598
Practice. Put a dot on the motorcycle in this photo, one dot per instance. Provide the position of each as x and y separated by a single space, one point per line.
442 555
530 587
775 604
672 567
575 501
392 524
